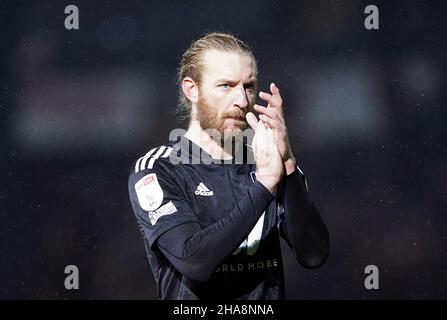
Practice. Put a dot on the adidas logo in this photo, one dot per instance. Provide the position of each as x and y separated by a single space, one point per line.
203 191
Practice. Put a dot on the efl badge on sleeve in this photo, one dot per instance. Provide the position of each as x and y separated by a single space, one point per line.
149 192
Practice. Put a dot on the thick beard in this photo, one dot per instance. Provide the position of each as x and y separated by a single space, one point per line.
209 119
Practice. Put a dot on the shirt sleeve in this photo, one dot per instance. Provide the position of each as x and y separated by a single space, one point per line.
158 202
301 224
192 249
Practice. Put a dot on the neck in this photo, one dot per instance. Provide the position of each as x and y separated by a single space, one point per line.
216 148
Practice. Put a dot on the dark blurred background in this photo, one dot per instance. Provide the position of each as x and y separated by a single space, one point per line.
365 112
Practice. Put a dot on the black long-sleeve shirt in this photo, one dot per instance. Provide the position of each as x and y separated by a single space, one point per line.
212 231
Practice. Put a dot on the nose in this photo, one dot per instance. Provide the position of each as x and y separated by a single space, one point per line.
241 99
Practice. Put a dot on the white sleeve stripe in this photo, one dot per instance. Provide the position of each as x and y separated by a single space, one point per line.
167 153
299 169
143 162
155 157
137 165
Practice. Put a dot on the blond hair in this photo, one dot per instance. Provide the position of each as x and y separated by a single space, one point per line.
191 64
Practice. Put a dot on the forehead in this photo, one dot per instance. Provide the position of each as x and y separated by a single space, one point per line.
227 65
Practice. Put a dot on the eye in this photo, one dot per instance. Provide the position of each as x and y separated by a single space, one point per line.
224 85
250 88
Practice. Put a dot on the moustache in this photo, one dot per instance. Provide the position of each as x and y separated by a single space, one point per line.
235 115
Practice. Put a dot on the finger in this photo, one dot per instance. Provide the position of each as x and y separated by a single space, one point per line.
252 120
266 111
262 126
274 90
271 122
276 94
273 117
265 96
274 101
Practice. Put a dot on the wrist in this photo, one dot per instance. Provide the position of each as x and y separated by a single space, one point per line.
267 182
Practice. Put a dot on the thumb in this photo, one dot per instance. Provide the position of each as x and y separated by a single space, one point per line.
252 120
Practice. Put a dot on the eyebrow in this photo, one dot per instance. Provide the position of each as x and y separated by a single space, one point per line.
251 81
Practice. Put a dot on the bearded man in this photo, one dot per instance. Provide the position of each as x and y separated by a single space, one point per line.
212 224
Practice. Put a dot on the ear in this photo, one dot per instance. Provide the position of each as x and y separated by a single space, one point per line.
190 89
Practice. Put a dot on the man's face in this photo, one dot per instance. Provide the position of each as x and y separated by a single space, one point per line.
227 92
